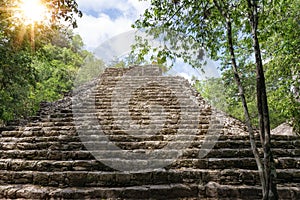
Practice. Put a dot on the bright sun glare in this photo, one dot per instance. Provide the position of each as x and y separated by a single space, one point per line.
32 11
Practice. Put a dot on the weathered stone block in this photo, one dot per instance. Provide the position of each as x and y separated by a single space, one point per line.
41 179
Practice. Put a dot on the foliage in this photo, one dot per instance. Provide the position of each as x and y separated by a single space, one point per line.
200 26
91 69
16 76
281 43
56 68
18 46
223 95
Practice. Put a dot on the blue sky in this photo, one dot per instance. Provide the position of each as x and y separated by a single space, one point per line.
103 19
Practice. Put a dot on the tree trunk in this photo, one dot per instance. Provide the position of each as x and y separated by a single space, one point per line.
244 103
237 79
270 190
267 170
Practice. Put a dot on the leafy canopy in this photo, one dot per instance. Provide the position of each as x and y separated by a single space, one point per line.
20 44
201 26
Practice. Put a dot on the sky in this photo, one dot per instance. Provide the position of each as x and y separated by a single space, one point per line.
104 23
103 19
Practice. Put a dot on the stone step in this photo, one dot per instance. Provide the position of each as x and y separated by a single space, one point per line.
50 165
142 79
71 131
136 192
175 102
127 120
144 126
126 179
213 190
123 110
229 153
172 102
174 95
74 142
136 164
85 155
65 130
65 119
145 82
226 163
41 131
8 128
86 115
137 90
139 123
246 144
146 85
151 93
60 115
126 142
142 88
41 145
46 155
294 138
63 138
168 191
41 125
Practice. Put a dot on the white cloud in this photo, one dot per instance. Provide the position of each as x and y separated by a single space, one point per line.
95 30
125 6
139 6
97 23
209 70
99 5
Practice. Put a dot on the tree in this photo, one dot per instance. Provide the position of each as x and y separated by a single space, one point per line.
18 44
16 76
56 67
280 50
230 31
90 69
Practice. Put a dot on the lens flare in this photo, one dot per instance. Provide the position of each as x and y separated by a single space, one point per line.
32 11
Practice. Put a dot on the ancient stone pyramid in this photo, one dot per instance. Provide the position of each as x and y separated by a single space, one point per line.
135 134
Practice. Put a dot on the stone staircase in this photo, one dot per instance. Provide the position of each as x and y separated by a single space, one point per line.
135 134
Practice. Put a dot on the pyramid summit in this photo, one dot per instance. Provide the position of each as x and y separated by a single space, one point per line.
136 134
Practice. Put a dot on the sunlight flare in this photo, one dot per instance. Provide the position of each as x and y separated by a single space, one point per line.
32 11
